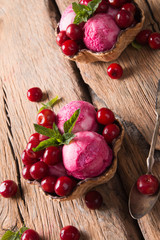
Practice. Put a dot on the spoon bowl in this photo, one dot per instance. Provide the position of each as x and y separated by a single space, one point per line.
140 204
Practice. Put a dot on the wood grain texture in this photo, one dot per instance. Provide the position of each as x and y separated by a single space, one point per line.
30 57
131 165
133 97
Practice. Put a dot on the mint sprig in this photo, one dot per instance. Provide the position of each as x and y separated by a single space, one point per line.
69 124
55 137
9 235
49 104
83 12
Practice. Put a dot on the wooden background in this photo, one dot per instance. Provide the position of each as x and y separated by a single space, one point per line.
30 57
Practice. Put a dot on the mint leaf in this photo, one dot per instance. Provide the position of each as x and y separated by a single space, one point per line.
8 235
23 229
49 104
83 12
68 138
52 102
47 143
69 124
56 131
77 7
94 4
136 45
44 131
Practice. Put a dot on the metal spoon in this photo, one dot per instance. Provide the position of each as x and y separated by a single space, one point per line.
140 204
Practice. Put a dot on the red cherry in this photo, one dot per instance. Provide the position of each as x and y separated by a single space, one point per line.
52 155
103 7
85 2
93 200
142 37
74 32
154 40
129 7
30 235
115 71
69 233
8 188
39 170
29 151
27 160
69 47
116 3
34 94
46 117
111 132
61 38
147 184
26 172
105 116
42 137
64 186
124 19
34 136
48 184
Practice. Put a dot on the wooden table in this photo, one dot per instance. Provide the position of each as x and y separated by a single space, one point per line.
30 57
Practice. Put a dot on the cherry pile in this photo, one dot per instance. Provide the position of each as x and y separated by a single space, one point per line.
146 36
110 130
71 40
38 164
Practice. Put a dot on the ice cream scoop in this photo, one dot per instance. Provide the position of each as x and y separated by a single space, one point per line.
100 32
86 120
87 156
67 18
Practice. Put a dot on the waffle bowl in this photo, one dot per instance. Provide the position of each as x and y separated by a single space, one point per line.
125 37
85 185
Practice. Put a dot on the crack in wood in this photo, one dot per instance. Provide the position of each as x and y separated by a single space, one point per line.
152 15
8 121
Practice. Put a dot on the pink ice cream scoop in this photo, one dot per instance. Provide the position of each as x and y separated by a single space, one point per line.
67 18
87 156
100 32
86 120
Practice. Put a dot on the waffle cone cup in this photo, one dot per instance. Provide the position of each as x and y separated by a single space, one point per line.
125 37
85 185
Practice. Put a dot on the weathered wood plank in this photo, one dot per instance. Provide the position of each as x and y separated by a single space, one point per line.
132 164
133 97
33 59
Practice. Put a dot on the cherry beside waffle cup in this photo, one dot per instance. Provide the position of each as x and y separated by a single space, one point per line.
125 37
85 185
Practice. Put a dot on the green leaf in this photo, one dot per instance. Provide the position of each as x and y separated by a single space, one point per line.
77 7
52 102
44 131
136 45
83 12
47 143
8 235
68 138
94 4
69 124
49 104
23 229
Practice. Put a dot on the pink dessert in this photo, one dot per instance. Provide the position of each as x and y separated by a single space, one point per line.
100 32
67 18
87 156
86 120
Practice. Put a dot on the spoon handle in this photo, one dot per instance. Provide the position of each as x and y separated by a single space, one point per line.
150 159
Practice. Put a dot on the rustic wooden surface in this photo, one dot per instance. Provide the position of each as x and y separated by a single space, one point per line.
30 57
